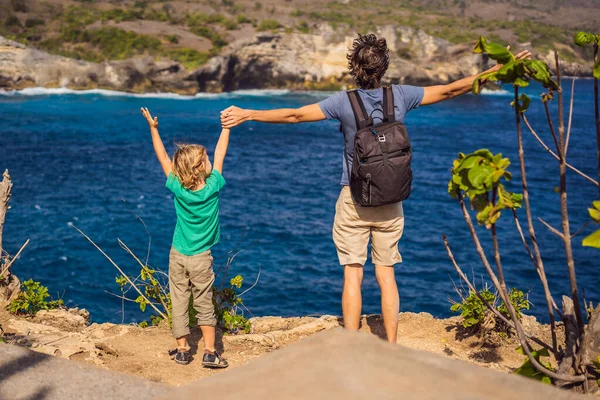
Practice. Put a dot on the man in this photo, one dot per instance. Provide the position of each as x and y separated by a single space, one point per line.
353 225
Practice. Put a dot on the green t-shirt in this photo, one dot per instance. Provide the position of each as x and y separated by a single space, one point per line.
197 228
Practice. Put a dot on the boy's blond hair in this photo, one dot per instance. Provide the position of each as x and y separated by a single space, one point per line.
191 165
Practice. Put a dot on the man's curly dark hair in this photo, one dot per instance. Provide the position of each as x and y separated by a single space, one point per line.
368 60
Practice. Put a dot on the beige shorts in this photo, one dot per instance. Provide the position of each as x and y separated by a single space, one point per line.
355 225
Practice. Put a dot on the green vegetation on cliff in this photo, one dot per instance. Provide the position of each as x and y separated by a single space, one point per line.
107 30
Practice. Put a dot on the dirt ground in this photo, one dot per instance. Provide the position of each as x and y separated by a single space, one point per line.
144 352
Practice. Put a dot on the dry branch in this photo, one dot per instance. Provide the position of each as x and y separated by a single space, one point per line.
122 273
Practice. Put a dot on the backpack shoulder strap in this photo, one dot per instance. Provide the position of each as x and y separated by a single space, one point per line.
358 108
388 104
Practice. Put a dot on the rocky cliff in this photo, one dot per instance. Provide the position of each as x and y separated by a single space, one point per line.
265 60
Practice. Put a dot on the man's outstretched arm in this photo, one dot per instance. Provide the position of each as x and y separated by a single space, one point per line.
233 116
435 94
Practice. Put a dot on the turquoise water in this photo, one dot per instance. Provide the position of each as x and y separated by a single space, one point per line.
86 159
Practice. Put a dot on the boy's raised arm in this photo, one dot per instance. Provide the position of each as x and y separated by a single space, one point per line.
221 150
159 148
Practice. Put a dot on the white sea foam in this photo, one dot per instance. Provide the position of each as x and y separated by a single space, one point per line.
502 92
40 91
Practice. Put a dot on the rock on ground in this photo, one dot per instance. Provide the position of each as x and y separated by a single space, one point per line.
27 375
341 365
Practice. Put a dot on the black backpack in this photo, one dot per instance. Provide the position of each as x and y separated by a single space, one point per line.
381 172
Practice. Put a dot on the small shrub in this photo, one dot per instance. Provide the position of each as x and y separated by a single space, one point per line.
32 22
19 5
173 38
268 24
190 58
32 299
475 314
242 19
528 370
13 22
303 27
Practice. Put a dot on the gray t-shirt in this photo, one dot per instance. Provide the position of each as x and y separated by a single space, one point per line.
338 106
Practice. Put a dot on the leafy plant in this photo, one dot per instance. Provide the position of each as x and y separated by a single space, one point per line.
475 313
472 309
596 364
478 175
585 38
227 302
593 240
32 299
190 58
528 370
517 72
268 25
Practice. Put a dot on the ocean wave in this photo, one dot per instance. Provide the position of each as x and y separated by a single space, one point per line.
501 92
41 91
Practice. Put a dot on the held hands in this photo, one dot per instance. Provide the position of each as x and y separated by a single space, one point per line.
152 122
233 116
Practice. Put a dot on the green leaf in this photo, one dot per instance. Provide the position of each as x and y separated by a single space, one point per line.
477 175
596 204
485 153
524 102
597 69
592 240
583 38
595 214
520 82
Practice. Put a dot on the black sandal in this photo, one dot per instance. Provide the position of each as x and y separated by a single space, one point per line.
213 360
181 356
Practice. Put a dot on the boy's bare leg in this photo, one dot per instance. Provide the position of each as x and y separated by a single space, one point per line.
182 343
351 296
208 334
390 300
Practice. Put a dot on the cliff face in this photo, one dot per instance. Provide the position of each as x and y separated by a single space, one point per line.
22 67
266 60
315 61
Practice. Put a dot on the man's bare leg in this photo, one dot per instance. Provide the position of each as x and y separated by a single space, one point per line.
351 296
390 300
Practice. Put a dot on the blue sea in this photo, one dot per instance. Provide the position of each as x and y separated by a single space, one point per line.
86 159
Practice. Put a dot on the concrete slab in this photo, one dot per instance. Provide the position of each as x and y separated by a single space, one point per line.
28 375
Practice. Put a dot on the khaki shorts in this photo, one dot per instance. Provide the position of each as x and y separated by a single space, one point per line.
191 279
355 225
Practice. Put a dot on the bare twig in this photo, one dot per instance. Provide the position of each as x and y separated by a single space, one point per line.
551 228
597 112
126 298
564 207
124 246
551 125
580 230
255 282
570 112
541 142
480 297
528 250
539 263
10 263
121 272
5 190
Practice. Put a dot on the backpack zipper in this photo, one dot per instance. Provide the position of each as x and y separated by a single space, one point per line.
398 153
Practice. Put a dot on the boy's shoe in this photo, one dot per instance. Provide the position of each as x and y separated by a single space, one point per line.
213 360
182 356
